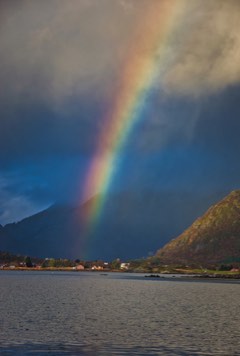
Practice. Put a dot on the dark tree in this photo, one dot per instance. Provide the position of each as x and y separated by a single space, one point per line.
28 262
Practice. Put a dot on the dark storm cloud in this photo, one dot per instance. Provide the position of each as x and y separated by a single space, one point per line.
60 62
217 131
60 67
37 131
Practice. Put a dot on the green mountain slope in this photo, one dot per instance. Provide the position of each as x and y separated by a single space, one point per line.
212 238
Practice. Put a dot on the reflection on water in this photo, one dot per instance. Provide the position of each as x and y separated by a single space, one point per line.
116 314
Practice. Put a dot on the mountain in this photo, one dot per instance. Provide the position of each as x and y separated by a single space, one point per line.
212 238
129 226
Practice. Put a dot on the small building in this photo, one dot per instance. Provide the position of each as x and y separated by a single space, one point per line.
124 265
97 268
79 267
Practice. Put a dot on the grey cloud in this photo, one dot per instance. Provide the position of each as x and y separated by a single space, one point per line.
207 50
55 49
60 61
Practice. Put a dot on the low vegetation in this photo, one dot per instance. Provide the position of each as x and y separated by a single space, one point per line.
151 265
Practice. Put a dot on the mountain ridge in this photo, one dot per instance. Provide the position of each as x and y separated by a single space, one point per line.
212 238
129 227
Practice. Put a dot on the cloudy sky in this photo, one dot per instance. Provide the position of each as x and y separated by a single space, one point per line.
62 64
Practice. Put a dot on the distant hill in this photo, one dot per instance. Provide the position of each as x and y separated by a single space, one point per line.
50 233
129 228
212 238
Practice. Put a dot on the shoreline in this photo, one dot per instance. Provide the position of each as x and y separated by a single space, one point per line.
195 276
173 275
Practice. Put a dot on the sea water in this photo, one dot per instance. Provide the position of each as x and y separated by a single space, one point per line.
80 313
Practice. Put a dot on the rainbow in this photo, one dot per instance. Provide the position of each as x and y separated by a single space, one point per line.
146 60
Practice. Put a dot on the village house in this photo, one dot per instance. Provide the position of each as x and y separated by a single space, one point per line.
124 265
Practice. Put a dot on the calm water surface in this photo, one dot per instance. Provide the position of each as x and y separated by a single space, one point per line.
116 314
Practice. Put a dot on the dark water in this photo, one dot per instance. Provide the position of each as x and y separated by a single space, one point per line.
116 314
